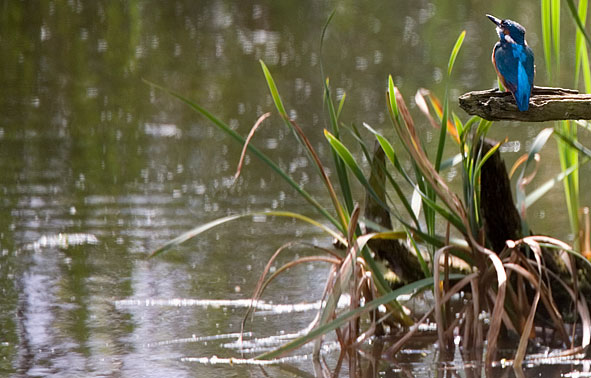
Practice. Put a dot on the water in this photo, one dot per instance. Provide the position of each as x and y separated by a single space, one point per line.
97 168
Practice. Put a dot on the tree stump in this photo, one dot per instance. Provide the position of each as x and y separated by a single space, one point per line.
545 104
501 219
502 223
397 256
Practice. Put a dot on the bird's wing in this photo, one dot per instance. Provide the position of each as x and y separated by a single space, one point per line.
515 63
523 87
529 66
525 76
506 65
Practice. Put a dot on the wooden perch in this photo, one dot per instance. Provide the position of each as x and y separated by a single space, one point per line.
545 104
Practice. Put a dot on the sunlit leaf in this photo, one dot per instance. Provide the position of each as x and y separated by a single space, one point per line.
455 51
537 145
581 47
579 23
274 91
547 36
541 190
555 14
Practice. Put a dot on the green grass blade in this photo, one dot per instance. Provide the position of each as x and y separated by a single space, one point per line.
405 135
555 14
209 225
393 105
311 153
458 123
581 52
382 285
389 150
485 158
483 127
436 240
579 42
547 37
258 153
334 115
537 145
468 127
406 132
391 155
442 133
340 167
429 211
586 69
293 215
541 190
357 135
454 52
274 91
346 156
578 22
402 199
424 265
448 215
573 143
379 280
341 104
344 318
325 28
445 116
568 158
451 162
316 160
193 233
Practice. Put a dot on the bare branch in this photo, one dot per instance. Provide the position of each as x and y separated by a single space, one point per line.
545 104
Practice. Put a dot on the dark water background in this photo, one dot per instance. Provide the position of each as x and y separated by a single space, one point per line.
97 168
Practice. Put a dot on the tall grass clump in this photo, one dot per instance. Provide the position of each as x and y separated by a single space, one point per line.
567 130
443 242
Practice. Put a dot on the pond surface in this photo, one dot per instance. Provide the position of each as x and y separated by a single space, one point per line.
97 169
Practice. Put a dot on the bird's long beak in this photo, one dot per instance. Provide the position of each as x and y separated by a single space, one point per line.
497 21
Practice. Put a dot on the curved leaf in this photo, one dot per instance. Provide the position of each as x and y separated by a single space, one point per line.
207 226
274 91
455 51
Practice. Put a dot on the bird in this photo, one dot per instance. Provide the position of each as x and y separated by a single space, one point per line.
514 61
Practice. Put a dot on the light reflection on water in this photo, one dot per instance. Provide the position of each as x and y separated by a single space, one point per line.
98 169
261 306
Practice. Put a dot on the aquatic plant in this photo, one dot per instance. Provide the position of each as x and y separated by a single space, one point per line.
567 130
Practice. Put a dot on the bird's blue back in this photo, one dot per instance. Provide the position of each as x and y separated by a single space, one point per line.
514 61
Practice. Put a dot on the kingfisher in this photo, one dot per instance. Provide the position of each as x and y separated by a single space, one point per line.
514 61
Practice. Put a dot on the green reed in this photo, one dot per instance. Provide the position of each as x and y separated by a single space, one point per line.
568 155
